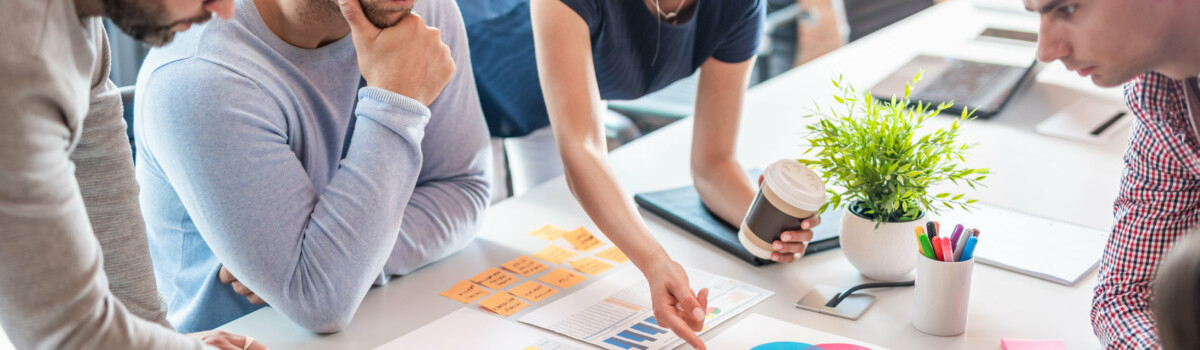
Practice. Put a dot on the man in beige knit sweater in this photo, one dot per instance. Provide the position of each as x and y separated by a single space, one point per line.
75 269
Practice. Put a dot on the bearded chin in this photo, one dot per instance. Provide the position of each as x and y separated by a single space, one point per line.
142 20
384 18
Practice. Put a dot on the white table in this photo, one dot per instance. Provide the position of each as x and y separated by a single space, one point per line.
1060 179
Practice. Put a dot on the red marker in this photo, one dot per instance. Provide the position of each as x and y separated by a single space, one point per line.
937 248
948 252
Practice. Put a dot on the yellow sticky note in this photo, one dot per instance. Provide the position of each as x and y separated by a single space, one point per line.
613 254
494 278
548 232
555 254
503 303
533 291
524 266
591 266
582 240
465 291
562 278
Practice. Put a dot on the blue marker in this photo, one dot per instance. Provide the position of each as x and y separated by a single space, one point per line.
968 250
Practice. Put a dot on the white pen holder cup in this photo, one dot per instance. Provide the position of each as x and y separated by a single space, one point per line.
941 296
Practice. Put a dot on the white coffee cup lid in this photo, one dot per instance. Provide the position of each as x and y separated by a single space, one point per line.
796 184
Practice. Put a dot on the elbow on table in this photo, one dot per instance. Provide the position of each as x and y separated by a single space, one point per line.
326 319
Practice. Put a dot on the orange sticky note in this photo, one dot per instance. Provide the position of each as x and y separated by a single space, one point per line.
613 254
533 291
503 303
494 278
555 254
582 240
465 291
562 278
591 266
525 266
548 232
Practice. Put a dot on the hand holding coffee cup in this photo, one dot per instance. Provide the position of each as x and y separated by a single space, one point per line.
778 225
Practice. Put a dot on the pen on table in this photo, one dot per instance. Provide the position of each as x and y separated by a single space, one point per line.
958 230
926 245
969 248
947 251
962 242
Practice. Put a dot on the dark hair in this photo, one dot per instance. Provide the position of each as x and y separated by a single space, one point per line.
1176 296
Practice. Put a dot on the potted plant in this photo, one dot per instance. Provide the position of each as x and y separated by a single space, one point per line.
880 166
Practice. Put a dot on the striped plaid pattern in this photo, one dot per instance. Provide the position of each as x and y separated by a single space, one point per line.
1158 203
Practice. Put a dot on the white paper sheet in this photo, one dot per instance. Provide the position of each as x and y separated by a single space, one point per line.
615 312
1054 251
472 329
758 332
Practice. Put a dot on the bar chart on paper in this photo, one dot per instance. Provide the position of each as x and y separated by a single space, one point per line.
615 313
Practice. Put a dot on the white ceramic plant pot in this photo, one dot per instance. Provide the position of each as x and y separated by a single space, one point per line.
884 254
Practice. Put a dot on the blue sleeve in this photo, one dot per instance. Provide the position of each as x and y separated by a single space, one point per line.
224 148
744 35
453 190
589 10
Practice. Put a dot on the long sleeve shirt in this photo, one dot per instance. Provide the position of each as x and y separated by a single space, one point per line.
75 269
1158 203
274 161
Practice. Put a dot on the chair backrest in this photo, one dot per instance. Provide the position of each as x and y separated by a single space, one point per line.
867 16
127 103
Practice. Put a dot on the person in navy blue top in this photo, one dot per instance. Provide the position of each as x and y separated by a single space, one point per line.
588 51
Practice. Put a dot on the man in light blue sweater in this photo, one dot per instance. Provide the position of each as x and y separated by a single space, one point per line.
261 151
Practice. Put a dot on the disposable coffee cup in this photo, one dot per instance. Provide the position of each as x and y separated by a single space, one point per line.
790 193
943 291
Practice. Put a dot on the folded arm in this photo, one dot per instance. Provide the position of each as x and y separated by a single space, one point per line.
225 151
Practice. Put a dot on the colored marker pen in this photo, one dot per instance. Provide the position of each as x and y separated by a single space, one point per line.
931 229
937 248
962 242
958 230
926 246
947 251
969 249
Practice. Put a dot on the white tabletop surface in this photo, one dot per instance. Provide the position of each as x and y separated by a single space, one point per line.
1059 179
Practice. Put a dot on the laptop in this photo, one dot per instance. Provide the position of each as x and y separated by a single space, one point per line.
980 86
682 206
983 86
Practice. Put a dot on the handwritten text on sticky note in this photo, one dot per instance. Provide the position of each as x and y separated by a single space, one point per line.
524 266
591 266
555 254
582 240
613 254
533 291
562 278
548 232
494 278
465 291
503 303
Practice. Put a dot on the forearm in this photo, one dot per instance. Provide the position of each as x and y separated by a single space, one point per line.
725 188
104 170
596 189
442 217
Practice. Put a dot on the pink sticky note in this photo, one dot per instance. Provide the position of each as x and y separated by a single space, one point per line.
1032 344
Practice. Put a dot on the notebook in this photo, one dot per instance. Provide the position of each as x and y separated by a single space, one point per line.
1054 251
682 207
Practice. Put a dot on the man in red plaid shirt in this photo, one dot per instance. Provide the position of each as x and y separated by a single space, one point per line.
1153 46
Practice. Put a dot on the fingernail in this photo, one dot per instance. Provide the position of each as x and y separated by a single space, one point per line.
698 314
777 246
343 2
786 236
803 225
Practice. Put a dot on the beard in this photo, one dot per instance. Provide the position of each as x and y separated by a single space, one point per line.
142 20
383 14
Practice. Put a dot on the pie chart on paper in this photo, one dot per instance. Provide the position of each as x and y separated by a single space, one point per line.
788 345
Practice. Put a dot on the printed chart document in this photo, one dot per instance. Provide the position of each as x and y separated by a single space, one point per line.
484 331
758 332
1054 251
615 312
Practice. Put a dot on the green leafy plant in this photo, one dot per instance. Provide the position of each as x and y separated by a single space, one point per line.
871 154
